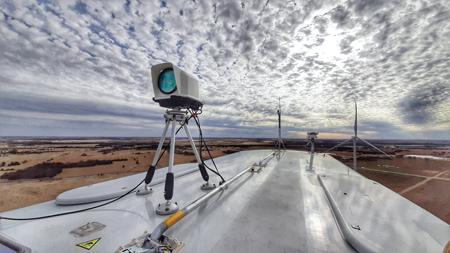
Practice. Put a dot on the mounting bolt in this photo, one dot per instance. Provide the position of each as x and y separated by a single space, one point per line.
356 227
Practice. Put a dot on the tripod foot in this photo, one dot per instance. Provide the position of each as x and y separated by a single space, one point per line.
144 190
208 186
167 208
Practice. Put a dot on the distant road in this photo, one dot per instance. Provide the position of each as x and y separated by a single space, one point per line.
424 182
414 175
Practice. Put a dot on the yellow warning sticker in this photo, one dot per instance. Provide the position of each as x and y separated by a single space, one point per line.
89 244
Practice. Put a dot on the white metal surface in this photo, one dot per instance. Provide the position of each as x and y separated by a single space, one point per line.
360 206
118 187
283 208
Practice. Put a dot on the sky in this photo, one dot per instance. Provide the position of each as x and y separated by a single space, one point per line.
83 68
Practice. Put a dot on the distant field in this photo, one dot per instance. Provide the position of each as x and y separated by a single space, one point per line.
425 182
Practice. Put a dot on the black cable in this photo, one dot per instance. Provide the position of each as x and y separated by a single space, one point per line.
206 146
201 140
77 211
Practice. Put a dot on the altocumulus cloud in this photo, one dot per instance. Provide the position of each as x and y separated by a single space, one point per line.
83 67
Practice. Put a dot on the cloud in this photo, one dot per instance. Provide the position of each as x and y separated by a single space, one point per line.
419 106
94 58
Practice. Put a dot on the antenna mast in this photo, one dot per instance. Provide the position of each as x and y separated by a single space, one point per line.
279 142
279 117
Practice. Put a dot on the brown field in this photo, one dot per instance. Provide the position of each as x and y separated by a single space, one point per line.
397 183
25 192
434 197
424 182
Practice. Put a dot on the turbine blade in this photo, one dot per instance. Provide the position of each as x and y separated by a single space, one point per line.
368 143
340 144
356 122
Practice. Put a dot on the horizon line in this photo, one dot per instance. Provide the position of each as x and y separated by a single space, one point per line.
140 137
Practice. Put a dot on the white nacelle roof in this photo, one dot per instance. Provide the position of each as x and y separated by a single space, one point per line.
283 208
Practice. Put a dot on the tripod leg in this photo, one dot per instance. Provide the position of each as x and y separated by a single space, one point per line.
201 166
149 176
188 133
151 170
168 191
168 207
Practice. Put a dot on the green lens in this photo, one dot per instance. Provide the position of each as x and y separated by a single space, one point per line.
166 82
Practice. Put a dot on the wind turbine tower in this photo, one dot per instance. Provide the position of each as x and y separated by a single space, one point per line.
354 138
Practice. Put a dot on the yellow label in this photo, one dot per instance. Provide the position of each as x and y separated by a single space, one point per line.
89 244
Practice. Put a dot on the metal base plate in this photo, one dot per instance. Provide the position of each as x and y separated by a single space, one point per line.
260 165
87 229
208 186
167 208
144 190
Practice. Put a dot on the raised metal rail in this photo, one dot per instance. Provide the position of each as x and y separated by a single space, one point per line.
172 220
